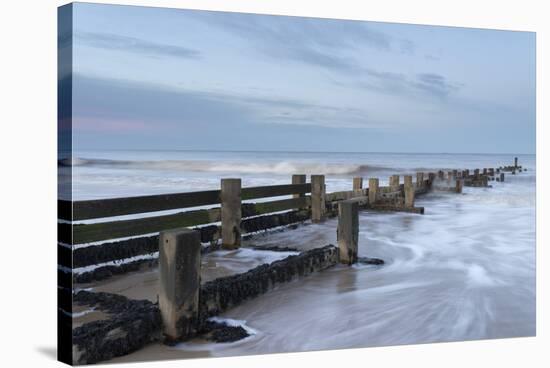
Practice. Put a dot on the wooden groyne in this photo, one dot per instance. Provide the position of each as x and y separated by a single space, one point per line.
177 241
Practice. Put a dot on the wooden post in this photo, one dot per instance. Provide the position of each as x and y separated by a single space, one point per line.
476 174
317 198
484 171
491 171
409 191
298 179
373 190
459 185
179 270
357 185
231 213
431 178
394 183
455 174
466 173
348 231
440 175
515 162
419 179
501 177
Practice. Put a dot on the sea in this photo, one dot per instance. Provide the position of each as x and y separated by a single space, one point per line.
464 270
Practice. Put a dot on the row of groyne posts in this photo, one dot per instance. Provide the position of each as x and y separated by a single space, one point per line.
180 249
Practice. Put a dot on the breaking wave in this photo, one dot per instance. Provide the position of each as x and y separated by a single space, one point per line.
280 167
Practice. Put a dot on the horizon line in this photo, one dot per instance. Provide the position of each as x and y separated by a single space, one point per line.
296 151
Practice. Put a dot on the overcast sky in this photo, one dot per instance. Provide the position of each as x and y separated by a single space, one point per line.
153 78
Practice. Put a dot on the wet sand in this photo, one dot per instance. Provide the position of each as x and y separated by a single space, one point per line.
144 284
157 351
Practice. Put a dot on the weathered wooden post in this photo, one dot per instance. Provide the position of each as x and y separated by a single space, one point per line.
501 177
455 174
357 185
515 162
419 179
231 213
466 173
409 191
179 270
394 183
449 177
440 175
484 171
476 174
459 185
491 171
373 190
348 231
298 179
317 198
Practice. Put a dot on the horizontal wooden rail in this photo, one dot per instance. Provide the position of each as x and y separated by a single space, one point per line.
124 228
274 191
347 194
256 209
120 229
99 208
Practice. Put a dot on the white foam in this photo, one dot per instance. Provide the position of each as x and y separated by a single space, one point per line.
478 276
78 314
234 323
81 270
193 346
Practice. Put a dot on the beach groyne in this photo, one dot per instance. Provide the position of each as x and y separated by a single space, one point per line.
93 248
133 324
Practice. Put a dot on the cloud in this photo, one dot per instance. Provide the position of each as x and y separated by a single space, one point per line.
115 104
109 41
434 84
326 43
297 31
330 44
399 84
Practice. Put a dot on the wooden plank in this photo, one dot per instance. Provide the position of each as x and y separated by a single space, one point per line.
83 210
344 195
274 190
255 209
119 229
389 194
393 208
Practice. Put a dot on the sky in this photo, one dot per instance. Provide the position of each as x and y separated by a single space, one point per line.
156 78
